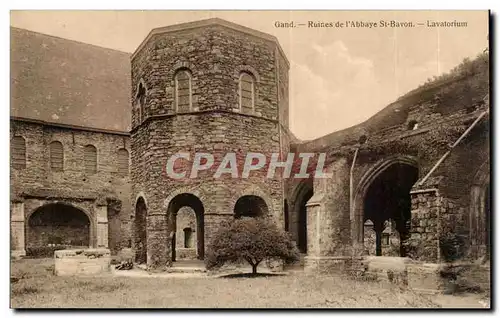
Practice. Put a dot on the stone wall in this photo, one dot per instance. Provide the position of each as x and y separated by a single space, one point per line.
71 236
432 217
215 55
328 221
72 185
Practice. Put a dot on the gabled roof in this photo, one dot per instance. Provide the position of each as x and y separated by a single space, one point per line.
64 81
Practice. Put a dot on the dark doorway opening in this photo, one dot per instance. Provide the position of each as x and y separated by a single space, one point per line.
302 221
250 206
388 198
193 202
140 232
286 217
58 224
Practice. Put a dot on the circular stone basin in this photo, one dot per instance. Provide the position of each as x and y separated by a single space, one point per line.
76 262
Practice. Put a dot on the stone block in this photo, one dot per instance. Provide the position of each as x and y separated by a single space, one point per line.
82 262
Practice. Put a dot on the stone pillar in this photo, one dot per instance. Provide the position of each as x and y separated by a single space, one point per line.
159 241
102 226
426 209
17 229
212 223
328 222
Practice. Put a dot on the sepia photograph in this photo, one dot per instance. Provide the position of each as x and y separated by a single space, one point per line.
250 159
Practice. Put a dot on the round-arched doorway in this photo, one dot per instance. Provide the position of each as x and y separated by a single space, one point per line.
187 214
58 224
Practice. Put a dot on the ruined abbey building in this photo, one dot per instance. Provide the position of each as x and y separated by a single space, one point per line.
92 128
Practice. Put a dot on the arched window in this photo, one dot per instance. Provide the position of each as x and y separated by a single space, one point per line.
140 99
18 153
123 165
56 156
90 158
247 92
183 91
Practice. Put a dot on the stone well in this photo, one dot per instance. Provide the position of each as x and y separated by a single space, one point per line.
82 261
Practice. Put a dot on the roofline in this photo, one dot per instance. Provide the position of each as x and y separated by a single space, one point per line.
209 22
70 40
69 126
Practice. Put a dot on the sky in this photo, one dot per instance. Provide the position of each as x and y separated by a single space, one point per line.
339 77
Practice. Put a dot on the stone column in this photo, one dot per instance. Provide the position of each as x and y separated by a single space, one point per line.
212 223
427 208
159 241
328 222
102 226
17 229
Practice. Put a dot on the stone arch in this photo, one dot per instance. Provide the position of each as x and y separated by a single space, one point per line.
186 65
358 212
74 205
59 223
196 191
250 206
301 194
256 191
246 69
141 195
177 199
379 167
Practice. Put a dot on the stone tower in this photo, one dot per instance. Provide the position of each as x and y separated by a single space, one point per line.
204 87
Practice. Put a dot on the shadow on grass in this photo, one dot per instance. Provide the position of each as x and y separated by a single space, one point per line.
251 275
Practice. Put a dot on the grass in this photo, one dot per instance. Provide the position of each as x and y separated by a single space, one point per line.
39 288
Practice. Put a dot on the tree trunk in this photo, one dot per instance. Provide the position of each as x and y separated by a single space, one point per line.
254 268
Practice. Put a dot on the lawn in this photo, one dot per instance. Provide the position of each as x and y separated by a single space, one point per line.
39 288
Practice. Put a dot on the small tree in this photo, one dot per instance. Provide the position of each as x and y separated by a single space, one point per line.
252 240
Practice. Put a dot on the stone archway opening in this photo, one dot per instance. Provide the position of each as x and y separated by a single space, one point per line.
303 193
302 224
250 206
58 225
387 210
187 224
140 234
